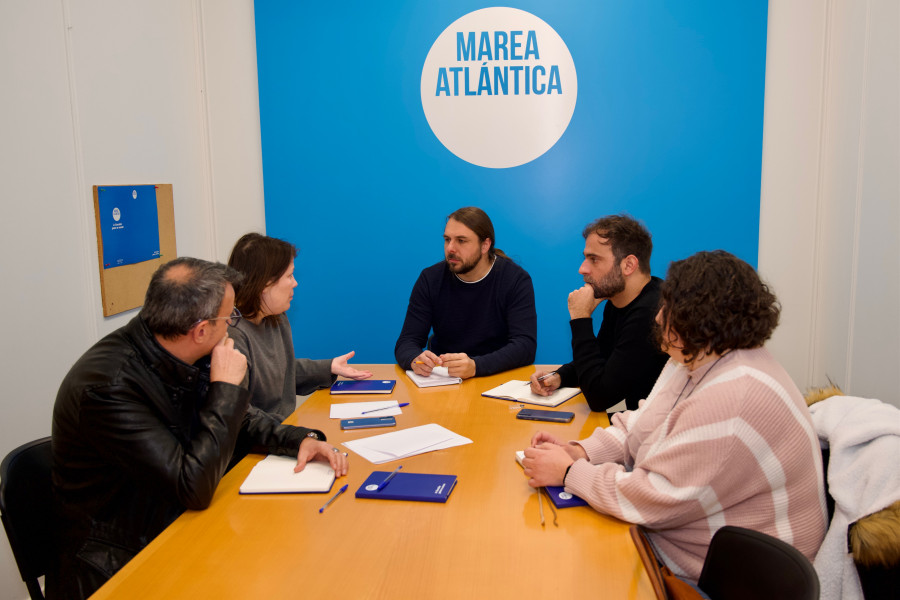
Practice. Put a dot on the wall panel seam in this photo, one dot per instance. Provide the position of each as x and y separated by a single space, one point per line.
858 200
818 235
84 206
205 138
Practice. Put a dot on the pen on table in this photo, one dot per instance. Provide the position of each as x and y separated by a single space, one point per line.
550 504
333 498
541 506
401 405
388 479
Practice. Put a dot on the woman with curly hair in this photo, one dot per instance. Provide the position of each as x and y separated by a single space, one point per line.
724 438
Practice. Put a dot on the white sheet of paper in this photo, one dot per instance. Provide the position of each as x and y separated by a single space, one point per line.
442 371
406 442
432 380
354 410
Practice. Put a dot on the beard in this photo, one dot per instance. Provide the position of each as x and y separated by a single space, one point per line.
611 284
464 265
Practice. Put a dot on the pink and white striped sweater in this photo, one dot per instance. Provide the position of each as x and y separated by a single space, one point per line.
737 448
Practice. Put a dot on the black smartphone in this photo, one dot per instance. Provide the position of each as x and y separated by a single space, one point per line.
367 423
556 416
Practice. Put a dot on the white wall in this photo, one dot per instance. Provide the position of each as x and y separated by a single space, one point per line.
109 92
139 91
830 217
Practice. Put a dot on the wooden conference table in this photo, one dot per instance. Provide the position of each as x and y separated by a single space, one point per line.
485 542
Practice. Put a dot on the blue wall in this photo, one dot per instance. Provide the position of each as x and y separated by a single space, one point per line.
667 127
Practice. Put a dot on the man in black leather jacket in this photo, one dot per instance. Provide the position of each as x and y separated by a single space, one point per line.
146 422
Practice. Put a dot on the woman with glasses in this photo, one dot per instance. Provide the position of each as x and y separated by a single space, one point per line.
263 335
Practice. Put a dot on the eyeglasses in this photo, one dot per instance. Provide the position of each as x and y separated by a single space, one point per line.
233 319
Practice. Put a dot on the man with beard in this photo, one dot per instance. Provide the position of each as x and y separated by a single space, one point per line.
623 361
477 304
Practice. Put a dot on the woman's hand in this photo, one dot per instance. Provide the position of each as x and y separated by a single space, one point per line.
340 367
546 464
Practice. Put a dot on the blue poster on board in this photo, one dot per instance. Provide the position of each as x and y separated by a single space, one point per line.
129 224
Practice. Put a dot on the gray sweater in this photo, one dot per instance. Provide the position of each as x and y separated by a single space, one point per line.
275 377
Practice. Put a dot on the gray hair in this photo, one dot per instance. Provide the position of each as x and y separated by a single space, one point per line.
175 302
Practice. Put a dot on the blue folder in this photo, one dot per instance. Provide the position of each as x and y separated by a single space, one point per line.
366 386
557 493
421 487
563 499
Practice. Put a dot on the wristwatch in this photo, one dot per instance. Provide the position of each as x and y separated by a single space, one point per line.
313 435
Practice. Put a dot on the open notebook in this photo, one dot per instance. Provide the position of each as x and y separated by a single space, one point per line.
520 391
275 475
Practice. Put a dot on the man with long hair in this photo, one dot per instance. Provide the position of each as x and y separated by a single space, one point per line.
477 304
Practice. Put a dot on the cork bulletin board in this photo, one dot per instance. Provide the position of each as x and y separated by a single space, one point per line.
123 281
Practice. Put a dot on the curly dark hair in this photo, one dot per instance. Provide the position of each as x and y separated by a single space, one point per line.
716 302
625 235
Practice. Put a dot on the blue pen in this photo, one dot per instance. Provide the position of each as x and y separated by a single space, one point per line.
333 498
388 478
401 405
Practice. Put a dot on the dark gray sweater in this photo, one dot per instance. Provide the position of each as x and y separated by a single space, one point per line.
275 377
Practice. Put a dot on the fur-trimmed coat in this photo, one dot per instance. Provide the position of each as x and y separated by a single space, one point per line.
863 436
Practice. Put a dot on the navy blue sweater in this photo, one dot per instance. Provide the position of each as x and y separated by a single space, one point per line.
493 321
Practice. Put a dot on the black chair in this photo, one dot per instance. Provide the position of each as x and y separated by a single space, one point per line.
742 564
27 510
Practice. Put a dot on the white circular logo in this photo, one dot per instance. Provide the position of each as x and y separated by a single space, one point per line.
116 214
371 487
134 194
565 496
499 87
